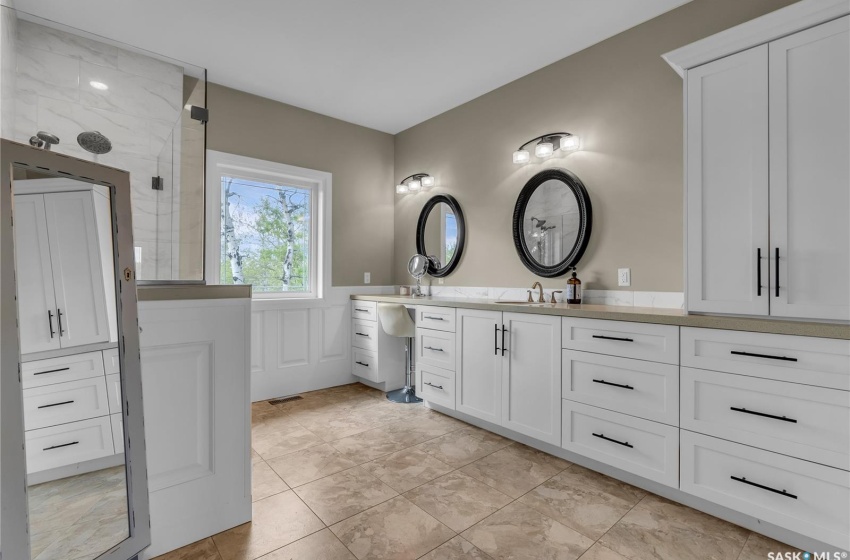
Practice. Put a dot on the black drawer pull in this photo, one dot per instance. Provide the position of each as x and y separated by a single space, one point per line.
50 322
504 348
55 404
765 415
361 310
362 334
768 356
52 371
613 338
434 386
362 364
434 349
602 381
496 341
433 318
60 445
763 487
777 272
623 443
59 318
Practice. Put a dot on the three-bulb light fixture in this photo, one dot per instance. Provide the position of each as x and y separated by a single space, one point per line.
415 183
546 146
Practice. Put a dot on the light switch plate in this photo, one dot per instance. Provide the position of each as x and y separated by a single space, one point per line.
624 276
367 277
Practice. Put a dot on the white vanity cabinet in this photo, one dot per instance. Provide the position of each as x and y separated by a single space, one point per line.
375 356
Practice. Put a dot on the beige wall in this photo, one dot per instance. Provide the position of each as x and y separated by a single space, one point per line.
360 159
626 104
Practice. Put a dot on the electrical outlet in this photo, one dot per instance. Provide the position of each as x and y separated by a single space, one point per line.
367 277
440 281
624 276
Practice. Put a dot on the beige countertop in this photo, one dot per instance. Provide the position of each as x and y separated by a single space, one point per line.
168 292
659 316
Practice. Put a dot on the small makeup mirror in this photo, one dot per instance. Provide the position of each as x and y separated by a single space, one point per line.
417 266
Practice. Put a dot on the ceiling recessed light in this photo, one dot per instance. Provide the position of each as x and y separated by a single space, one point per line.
98 85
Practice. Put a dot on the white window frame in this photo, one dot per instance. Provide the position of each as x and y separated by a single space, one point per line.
221 164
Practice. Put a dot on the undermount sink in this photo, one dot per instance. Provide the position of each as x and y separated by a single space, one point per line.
518 302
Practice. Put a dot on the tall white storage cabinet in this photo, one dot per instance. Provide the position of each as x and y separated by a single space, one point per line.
768 181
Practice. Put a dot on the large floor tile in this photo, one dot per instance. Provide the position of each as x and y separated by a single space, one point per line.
276 444
407 469
201 550
758 547
276 521
456 549
319 546
369 445
396 530
307 465
457 449
516 469
344 494
338 424
519 532
458 500
265 482
599 552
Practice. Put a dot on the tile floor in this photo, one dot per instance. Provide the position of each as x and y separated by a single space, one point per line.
343 474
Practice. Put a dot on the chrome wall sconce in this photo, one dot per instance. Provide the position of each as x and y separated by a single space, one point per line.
415 183
546 146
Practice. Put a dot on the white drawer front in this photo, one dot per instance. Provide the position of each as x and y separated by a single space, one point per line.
437 385
645 448
367 310
798 359
647 390
364 334
435 348
815 499
811 423
67 444
656 343
364 363
117 423
113 392
59 370
110 361
437 318
65 402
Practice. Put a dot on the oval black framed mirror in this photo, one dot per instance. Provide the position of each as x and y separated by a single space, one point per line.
440 234
552 222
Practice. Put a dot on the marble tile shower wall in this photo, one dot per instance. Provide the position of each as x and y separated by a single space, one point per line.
139 113
8 61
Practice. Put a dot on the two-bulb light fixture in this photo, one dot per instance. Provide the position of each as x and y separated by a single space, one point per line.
415 183
546 146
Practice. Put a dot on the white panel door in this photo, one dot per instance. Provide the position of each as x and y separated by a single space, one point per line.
531 376
77 269
727 184
809 173
479 364
38 325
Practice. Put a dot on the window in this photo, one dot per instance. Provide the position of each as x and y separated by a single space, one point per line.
268 221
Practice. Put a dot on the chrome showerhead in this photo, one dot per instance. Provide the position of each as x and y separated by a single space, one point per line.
44 140
94 142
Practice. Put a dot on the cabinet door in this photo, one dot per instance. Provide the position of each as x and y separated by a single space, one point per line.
479 364
727 184
809 174
77 269
531 376
36 302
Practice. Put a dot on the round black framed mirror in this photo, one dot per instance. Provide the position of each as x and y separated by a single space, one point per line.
552 222
440 234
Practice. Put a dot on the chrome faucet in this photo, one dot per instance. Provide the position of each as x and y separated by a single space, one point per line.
539 287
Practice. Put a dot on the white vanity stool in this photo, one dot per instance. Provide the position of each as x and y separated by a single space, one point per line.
396 321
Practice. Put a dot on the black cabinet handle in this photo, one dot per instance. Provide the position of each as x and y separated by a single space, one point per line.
613 338
496 341
362 364
433 318
51 371
758 271
602 381
50 322
745 411
434 386
623 443
768 356
55 404
504 330
777 272
763 487
434 349
59 317
361 310
362 334
60 445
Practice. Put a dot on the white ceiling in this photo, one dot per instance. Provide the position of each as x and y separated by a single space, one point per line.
385 64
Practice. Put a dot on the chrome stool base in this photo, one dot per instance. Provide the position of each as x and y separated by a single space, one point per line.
405 395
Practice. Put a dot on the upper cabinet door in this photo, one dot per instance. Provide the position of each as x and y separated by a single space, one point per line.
37 319
479 364
727 184
77 269
809 172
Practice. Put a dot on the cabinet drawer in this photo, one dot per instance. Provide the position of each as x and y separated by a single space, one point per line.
366 310
815 498
647 390
435 348
117 423
437 318
113 392
437 386
645 448
364 334
59 370
798 359
364 363
807 422
110 361
656 343
67 444
65 402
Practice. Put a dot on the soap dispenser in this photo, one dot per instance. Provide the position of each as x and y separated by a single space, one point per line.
573 289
